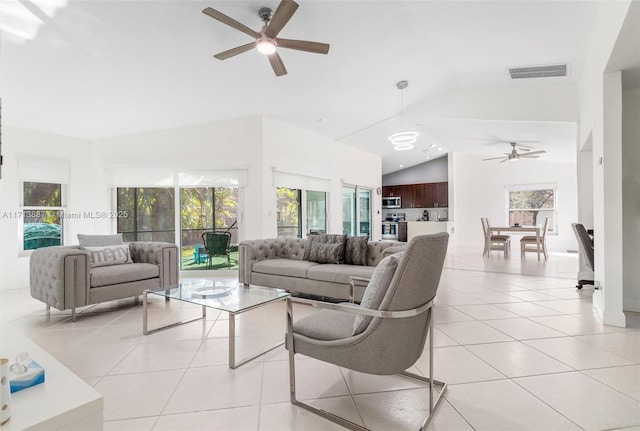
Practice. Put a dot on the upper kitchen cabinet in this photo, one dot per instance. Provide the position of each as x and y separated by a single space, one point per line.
427 195
442 194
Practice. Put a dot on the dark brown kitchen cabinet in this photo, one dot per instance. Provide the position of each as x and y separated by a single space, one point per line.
406 194
402 231
426 195
442 194
390 191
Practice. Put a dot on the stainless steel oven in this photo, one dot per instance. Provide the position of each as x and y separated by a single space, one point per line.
390 230
392 202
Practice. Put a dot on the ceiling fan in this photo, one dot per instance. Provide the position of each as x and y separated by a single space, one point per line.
266 41
515 155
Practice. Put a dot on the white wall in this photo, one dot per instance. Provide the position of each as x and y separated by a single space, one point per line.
255 143
433 171
607 301
479 191
220 145
298 151
14 265
631 197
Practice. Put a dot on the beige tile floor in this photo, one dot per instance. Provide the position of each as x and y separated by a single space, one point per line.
517 342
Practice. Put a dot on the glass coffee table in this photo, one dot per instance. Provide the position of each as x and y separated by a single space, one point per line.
232 297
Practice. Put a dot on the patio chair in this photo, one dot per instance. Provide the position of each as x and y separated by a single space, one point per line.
386 333
217 244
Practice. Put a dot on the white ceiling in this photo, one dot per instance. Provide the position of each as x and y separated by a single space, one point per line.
96 69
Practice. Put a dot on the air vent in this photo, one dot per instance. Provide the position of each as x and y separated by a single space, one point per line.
538 71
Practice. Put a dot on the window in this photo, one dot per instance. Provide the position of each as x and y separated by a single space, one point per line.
316 212
291 212
529 205
356 210
43 207
205 209
151 213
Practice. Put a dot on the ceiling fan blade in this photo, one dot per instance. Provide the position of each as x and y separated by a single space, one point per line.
281 17
527 156
534 152
495 158
304 45
235 51
505 160
277 64
230 22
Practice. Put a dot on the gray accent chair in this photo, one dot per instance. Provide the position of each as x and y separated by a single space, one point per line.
585 245
62 277
395 336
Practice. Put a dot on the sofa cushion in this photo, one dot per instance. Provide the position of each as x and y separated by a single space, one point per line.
325 325
312 240
356 250
116 274
376 289
109 255
326 253
284 267
99 240
339 273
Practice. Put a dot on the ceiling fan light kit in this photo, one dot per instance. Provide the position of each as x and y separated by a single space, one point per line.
267 42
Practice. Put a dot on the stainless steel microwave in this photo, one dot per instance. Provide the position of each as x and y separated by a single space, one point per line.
392 202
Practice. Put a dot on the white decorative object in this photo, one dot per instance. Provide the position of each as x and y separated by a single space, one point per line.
5 392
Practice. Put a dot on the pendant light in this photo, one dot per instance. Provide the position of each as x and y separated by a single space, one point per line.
404 138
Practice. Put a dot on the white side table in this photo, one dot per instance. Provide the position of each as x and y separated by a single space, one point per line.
63 402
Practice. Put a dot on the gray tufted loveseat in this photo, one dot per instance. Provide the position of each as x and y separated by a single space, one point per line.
62 277
279 263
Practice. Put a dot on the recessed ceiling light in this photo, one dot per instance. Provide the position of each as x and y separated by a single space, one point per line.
402 166
428 157
440 149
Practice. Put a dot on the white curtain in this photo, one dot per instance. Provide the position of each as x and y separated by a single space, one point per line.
171 177
43 169
302 182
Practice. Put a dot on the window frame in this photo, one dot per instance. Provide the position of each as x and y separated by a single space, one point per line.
358 210
552 229
303 203
23 209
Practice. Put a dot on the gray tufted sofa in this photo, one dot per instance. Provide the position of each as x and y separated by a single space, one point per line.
278 263
62 276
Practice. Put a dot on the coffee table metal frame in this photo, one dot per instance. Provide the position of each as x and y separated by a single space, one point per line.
167 294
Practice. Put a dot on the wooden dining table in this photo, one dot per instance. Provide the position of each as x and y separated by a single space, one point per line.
537 230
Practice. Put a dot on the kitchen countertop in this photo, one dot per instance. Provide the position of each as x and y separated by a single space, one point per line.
415 228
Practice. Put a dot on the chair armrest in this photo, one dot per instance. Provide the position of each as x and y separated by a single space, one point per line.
392 250
59 276
356 281
164 254
356 309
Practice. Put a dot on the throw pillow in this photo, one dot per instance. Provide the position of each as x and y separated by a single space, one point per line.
356 250
99 240
376 289
324 239
109 255
326 253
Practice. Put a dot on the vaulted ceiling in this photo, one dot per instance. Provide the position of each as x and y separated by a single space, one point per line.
94 69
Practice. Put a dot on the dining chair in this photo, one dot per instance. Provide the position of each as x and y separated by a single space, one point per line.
384 335
531 240
494 242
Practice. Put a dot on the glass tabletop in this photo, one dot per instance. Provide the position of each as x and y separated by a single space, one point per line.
229 296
